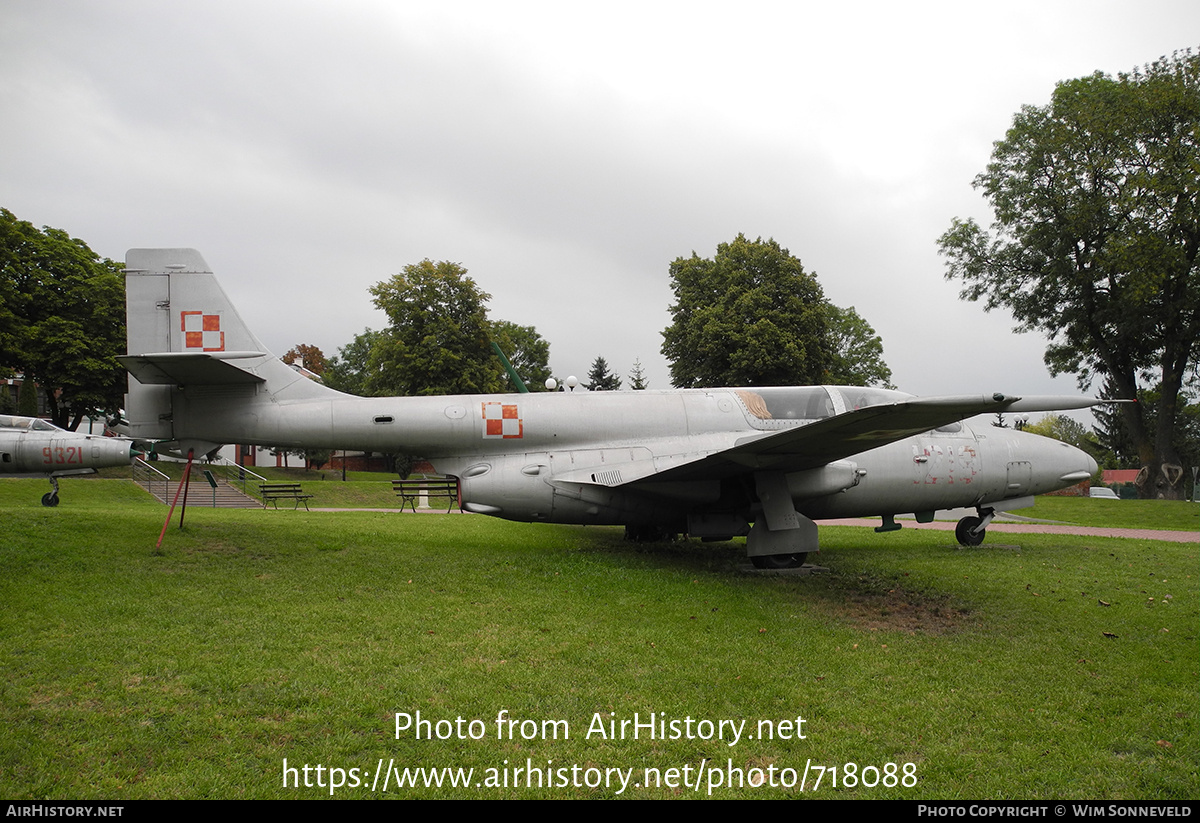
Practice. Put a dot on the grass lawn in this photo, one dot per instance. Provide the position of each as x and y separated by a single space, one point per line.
1177 515
1033 666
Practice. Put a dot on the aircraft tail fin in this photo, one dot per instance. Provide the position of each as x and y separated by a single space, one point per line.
183 334
176 305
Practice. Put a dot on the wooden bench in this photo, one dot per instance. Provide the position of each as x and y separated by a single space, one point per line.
436 487
274 492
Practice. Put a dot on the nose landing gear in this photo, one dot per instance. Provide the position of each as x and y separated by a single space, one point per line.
50 499
970 531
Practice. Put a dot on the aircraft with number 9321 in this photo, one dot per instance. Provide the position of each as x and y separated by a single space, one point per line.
711 463
32 447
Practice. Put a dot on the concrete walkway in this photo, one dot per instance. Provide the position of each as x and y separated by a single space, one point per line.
1035 528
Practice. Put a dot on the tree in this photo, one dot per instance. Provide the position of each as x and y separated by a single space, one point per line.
637 377
62 320
310 357
750 316
600 378
348 371
438 338
526 350
856 358
1067 430
362 367
1114 437
1097 229
314 459
27 402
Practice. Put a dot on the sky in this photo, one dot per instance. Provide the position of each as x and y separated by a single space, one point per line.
563 153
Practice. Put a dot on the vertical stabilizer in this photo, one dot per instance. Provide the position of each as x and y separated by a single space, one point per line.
175 304
186 341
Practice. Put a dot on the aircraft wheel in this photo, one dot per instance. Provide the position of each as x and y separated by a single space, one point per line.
779 561
50 499
964 531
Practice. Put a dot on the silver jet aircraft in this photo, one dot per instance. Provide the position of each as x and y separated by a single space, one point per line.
712 463
33 447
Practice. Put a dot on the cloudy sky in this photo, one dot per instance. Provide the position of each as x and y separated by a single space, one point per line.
564 153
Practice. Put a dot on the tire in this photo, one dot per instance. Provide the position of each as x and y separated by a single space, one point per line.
50 499
964 531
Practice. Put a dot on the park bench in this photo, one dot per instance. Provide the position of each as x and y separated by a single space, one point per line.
274 492
410 491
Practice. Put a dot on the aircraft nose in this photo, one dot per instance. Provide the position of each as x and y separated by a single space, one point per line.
1092 465
1082 465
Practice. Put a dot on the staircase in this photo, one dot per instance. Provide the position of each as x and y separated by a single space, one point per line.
200 491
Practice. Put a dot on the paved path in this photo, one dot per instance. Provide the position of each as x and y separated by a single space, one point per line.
1037 528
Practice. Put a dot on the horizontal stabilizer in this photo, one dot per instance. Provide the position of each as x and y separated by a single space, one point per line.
190 368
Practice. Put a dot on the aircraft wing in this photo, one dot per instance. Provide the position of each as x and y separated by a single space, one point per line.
811 445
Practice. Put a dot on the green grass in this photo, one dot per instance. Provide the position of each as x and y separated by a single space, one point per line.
256 636
1175 515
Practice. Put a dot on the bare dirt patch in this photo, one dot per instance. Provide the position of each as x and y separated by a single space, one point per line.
873 605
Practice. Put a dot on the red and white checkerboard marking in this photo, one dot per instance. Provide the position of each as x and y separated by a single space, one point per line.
501 420
201 331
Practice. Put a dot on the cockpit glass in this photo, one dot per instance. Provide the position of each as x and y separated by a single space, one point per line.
785 406
857 397
786 403
9 421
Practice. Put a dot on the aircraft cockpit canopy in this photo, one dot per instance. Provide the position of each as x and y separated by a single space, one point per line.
785 406
8 421
859 397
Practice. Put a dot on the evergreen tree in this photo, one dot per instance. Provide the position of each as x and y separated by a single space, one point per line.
600 378
637 377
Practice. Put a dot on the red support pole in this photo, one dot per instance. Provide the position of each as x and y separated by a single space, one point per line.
186 473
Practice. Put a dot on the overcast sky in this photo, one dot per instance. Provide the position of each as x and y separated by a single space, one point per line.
564 153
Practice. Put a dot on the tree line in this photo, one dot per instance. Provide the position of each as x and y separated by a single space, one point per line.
751 315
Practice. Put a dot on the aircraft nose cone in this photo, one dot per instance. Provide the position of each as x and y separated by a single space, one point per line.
1083 466
1093 466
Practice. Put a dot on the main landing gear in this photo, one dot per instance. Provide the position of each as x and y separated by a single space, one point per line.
970 531
779 561
785 548
50 499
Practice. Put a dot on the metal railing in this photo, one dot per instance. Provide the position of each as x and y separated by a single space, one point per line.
150 479
239 476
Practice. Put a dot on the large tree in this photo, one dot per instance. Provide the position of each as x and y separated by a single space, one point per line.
438 340
438 337
750 316
1096 199
526 350
62 319
856 357
1113 434
348 370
